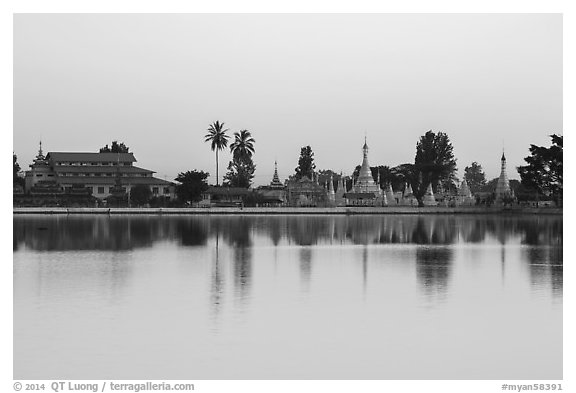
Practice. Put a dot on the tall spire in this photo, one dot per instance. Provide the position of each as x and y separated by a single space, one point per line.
365 175
40 159
40 155
503 186
276 179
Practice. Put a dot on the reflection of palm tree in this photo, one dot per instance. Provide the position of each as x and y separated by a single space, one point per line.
217 280
218 140
243 145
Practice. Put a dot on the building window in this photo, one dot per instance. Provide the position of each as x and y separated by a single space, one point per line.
166 190
89 188
108 174
93 163
100 190
39 175
97 174
155 190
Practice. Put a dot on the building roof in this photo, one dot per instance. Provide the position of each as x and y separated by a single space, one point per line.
125 181
99 169
90 157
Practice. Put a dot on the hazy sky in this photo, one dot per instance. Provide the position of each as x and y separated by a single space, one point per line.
156 81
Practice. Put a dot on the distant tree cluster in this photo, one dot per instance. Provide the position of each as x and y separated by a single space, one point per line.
241 169
434 163
116 148
140 195
475 177
306 164
192 185
16 179
544 170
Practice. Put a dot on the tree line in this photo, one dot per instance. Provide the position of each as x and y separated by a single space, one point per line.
434 164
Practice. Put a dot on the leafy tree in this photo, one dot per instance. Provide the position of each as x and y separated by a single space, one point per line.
544 172
140 195
402 174
434 162
116 148
475 177
17 180
306 164
240 172
218 140
241 168
243 145
192 185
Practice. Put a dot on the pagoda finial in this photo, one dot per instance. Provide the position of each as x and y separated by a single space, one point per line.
40 155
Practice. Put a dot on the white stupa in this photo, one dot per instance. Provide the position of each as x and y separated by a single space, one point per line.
428 199
503 190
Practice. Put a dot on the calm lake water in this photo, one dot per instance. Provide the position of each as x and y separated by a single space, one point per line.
287 297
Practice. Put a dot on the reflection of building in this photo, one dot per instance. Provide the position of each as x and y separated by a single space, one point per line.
503 193
98 173
275 193
365 191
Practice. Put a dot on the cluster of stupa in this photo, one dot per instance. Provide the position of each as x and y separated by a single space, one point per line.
366 191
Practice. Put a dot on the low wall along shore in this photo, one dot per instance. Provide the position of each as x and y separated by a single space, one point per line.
291 210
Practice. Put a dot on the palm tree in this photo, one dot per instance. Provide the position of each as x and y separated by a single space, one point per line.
243 145
218 140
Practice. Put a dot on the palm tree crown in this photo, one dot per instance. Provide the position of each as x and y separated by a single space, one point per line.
217 136
218 140
243 145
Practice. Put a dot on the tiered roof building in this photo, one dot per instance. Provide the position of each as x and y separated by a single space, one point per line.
100 173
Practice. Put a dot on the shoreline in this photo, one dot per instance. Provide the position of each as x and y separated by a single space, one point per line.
291 210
